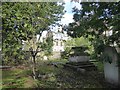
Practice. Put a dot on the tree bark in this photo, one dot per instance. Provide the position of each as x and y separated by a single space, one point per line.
33 54
34 67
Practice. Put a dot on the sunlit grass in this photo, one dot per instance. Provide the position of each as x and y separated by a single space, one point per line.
15 78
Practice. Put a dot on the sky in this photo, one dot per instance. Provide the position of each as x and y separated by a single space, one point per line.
68 16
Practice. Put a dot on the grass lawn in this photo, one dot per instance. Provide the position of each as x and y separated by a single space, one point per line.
52 77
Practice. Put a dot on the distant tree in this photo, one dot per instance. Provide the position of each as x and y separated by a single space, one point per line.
48 43
77 42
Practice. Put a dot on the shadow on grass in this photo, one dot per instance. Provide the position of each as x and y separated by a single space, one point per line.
50 76
60 77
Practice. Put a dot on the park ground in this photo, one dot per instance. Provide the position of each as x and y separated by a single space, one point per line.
53 77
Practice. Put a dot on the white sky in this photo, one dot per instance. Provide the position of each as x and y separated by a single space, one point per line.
68 16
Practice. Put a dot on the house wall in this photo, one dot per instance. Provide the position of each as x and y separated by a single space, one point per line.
58 46
58 40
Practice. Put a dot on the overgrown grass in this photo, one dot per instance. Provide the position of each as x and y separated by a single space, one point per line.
53 77
100 66
60 77
16 78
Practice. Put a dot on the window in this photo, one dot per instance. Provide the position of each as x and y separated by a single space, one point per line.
61 43
57 43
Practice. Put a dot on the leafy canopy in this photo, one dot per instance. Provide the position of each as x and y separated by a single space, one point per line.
95 18
21 21
100 20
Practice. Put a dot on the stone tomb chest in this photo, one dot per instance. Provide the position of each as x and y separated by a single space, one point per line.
78 54
79 59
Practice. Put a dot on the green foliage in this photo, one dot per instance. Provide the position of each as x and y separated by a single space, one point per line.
77 51
100 66
52 77
48 43
78 42
106 58
16 78
21 21
97 19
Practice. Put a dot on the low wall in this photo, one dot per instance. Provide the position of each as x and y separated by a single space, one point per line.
78 58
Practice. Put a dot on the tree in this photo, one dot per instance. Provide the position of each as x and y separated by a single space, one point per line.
97 19
77 42
48 43
22 21
36 46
